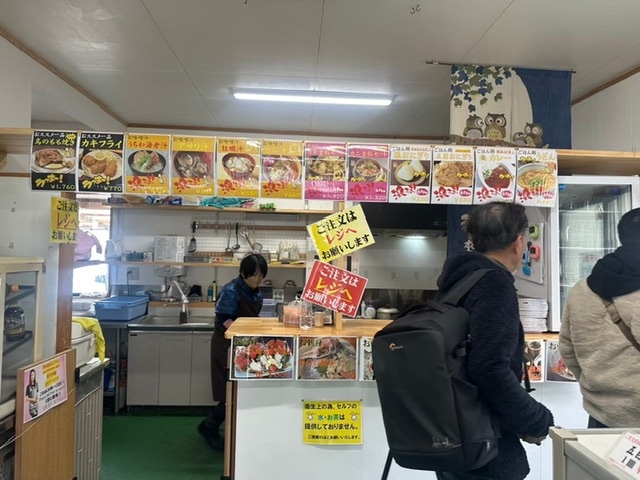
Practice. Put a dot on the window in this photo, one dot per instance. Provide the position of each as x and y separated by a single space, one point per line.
91 278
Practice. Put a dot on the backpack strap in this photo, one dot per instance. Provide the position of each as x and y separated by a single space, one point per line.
462 287
617 320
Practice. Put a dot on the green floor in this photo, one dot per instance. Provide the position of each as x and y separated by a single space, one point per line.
156 447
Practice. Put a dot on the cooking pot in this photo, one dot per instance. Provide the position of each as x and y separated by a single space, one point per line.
387 313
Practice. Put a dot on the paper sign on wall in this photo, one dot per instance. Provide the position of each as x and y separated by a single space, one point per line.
337 422
341 234
64 220
626 454
45 387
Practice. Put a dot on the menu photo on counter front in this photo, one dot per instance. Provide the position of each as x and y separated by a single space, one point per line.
262 357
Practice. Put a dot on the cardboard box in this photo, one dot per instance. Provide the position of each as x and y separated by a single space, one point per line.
168 248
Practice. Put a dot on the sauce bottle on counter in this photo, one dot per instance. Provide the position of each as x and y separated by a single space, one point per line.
212 292
370 312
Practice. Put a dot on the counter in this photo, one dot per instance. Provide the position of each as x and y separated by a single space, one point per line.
273 408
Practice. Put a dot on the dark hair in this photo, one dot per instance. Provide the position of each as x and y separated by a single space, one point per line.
252 264
629 227
494 226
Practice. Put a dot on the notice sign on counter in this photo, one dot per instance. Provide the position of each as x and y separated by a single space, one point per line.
335 422
626 454
45 387
334 288
64 220
341 234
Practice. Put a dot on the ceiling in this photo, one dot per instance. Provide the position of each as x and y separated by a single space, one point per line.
171 64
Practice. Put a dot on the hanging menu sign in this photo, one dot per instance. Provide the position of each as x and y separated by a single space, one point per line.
192 165
146 164
537 177
53 160
324 170
100 167
282 169
452 181
238 167
368 166
495 175
410 174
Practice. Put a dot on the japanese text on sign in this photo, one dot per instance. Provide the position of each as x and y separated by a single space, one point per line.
341 233
337 422
626 454
45 386
64 220
334 288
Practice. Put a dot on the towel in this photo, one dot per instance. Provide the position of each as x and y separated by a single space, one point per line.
92 325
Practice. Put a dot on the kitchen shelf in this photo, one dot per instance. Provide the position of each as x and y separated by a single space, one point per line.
179 304
15 296
11 346
299 266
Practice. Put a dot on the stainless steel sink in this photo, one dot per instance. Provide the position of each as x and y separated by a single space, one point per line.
156 322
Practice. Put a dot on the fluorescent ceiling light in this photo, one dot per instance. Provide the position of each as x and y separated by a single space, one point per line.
305 96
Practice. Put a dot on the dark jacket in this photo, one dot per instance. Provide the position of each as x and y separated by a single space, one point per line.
494 361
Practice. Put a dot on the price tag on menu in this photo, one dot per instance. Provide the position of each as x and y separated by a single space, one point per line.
626 454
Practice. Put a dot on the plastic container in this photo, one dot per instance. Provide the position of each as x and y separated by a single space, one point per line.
84 342
121 308
14 325
268 308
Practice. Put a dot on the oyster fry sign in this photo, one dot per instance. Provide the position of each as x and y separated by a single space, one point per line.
341 234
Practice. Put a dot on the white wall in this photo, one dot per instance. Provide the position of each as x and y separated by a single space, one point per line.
24 215
609 120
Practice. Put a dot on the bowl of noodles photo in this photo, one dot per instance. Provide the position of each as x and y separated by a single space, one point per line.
147 162
537 178
239 166
367 169
103 163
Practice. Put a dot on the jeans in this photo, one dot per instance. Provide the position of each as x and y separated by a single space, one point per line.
593 423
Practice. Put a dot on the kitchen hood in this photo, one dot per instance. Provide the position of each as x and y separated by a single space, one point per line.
406 219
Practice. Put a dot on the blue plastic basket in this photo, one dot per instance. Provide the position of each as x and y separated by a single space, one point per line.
121 308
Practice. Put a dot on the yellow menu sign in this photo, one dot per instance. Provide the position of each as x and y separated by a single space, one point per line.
64 220
238 167
341 234
335 422
147 164
192 165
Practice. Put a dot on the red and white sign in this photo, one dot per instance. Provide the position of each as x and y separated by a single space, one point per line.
334 288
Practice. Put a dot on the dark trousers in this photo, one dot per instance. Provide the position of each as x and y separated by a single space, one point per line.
593 423
459 476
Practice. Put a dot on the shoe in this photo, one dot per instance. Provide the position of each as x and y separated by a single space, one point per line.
213 437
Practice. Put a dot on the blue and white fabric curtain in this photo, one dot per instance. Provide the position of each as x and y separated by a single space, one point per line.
507 106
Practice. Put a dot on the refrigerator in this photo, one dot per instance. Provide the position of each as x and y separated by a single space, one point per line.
583 228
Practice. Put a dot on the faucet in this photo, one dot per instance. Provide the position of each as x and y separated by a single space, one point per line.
184 310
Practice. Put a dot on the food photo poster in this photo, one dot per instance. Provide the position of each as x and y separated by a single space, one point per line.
261 357
327 358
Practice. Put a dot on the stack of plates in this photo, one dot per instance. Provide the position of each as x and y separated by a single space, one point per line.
533 314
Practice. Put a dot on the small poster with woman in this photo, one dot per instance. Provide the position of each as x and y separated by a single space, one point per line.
45 386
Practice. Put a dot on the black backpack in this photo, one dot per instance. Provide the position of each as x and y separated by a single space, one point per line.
433 417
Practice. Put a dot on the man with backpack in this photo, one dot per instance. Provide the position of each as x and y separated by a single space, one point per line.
495 356
465 413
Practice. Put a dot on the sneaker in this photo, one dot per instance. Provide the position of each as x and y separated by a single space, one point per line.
212 437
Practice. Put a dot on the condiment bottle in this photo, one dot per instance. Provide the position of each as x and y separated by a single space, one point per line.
370 312
14 328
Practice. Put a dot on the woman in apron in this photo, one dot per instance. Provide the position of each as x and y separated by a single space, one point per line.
238 298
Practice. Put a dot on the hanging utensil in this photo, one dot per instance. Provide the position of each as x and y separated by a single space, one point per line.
192 243
237 245
255 246
228 248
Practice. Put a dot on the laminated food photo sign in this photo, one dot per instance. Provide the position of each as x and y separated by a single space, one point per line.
341 234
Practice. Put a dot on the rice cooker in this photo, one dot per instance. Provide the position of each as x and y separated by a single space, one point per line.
387 313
